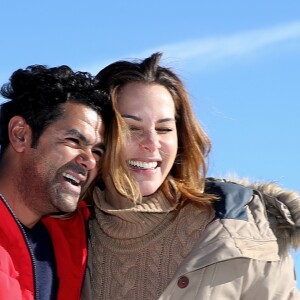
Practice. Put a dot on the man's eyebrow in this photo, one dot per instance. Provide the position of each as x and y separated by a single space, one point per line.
140 119
78 135
84 140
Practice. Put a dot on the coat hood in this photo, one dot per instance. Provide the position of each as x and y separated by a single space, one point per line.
283 210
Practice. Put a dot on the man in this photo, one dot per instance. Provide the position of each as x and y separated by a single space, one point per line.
51 136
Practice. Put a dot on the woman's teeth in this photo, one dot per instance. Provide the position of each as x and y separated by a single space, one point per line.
143 164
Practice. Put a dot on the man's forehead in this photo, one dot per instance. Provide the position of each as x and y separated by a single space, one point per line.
77 112
79 126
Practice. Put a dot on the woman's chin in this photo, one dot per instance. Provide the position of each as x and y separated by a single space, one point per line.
148 189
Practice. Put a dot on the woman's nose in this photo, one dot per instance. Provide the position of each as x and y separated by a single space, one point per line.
150 141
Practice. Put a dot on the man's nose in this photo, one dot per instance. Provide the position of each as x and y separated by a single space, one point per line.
87 160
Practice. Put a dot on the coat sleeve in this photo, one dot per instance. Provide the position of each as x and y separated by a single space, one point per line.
274 280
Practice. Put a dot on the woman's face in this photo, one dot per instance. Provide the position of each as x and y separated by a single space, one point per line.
149 112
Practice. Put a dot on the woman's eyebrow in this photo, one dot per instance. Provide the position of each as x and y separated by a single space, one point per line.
131 117
166 120
140 119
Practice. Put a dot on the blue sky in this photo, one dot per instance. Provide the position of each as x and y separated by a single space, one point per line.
239 59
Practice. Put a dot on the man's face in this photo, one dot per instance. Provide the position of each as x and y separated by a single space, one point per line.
64 162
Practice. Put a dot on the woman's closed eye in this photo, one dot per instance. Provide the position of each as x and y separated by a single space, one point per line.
163 130
134 128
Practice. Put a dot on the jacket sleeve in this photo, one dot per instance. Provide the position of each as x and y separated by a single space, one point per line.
251 279
9 280
274 280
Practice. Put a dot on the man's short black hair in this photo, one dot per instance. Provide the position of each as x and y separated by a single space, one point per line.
38 92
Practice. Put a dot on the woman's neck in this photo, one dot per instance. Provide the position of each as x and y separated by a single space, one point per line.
117 201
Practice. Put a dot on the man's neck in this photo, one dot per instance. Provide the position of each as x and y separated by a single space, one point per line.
25 215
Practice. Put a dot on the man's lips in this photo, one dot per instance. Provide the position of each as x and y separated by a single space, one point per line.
74 178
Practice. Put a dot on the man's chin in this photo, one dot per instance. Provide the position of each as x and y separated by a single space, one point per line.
67 204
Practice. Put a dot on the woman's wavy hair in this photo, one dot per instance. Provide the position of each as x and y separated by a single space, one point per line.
189 169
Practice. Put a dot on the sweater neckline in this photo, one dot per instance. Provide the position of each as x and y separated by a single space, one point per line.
150 216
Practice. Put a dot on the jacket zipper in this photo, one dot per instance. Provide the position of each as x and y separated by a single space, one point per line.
88 244
36 291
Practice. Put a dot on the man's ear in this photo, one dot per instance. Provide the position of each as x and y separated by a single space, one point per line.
19 133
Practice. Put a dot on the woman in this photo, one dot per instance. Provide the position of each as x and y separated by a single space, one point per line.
160 230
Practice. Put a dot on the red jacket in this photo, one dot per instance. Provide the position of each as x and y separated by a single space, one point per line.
16 265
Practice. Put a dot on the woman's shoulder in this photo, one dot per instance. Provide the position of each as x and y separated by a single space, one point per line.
232 198
279 206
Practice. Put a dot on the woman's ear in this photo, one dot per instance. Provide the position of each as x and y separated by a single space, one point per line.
19 133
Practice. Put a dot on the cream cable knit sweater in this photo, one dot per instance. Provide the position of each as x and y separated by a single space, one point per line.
136 251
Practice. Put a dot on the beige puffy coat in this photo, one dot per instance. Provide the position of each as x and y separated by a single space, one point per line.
245 252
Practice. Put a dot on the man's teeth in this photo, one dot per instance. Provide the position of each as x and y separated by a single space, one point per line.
71 178
143 164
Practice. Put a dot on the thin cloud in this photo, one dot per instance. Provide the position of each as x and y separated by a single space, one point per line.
212 50
237 44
